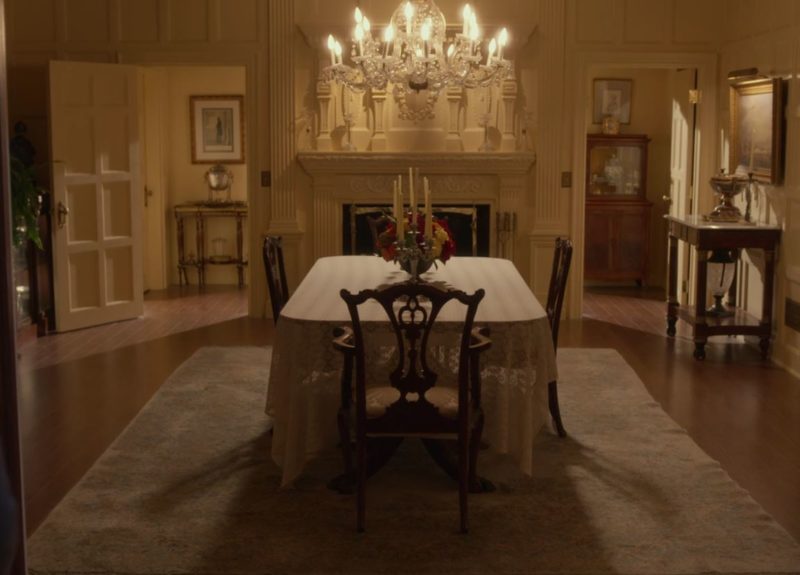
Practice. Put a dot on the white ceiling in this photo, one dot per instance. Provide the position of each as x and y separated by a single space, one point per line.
318 18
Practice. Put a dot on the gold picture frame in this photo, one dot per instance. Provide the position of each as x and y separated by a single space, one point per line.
612 97
217 126
756 129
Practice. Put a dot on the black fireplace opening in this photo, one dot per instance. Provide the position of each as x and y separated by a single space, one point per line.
357 237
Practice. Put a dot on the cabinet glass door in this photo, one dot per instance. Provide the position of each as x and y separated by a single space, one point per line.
615 170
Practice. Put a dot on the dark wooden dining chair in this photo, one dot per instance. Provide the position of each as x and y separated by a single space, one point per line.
409 402
562 258
276 275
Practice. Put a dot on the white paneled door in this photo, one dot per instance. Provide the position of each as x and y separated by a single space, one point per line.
682 164
97 193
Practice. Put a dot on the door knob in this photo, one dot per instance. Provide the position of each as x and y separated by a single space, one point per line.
62 213
667 199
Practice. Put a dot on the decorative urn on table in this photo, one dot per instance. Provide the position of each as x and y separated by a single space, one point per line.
728 187
219 180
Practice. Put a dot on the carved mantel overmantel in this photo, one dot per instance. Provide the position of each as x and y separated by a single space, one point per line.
501 180
319 163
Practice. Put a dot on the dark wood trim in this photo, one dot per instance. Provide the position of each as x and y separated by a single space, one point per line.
9 409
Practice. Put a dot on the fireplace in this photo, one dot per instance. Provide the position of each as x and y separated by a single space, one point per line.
469 224
496 183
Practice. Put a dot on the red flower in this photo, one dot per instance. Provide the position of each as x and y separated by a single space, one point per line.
386 243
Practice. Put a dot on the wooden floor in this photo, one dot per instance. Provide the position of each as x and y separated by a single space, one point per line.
742 412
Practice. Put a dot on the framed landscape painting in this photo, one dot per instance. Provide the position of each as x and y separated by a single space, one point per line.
757 129
217 129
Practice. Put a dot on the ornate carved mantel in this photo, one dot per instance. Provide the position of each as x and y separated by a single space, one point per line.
501 180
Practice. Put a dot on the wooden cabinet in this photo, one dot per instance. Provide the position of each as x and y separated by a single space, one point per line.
617 213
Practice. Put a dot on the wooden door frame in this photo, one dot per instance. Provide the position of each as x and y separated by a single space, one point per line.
9 406
588 61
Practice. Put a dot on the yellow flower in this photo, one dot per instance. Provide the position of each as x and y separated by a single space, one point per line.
439 238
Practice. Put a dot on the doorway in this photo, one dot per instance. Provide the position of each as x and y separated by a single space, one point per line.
172 178
590 65
639 170
168 175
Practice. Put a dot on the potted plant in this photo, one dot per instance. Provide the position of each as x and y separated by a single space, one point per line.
25 204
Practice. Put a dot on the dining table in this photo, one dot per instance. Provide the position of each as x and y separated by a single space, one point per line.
303 394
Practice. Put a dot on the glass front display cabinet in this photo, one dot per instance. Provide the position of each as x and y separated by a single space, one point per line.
617 211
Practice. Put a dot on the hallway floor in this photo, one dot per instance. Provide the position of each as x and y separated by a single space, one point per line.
166 312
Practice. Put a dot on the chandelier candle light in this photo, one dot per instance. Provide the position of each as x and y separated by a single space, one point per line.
411 55
415 252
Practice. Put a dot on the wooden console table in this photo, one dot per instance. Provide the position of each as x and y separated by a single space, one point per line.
707 236
200 212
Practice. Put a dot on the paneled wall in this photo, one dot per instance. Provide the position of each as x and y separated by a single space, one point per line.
770 41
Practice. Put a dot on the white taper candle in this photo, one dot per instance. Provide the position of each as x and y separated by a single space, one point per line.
428 211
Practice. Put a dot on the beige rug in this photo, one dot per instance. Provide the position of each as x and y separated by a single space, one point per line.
189 488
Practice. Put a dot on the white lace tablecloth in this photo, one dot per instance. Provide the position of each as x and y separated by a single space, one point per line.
303 394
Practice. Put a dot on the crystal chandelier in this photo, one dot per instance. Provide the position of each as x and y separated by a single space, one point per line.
414 54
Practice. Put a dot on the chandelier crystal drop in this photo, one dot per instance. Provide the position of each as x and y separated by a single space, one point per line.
415 55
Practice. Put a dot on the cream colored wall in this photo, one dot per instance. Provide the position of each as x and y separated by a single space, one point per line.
651 115
185 180
153 32
770 41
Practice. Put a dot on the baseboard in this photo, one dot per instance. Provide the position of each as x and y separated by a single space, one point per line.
788 358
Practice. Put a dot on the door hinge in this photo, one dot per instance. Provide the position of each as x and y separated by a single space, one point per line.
695 96
684 287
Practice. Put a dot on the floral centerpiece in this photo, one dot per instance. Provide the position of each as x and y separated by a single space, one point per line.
415 239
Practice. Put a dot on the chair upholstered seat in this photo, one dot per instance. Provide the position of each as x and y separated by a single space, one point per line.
445 399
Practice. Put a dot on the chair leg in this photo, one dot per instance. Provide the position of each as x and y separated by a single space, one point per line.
463 480
361 490
555 411
474 449
344 440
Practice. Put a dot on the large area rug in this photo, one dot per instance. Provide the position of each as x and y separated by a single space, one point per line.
190 488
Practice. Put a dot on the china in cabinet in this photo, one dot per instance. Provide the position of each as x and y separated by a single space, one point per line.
617 211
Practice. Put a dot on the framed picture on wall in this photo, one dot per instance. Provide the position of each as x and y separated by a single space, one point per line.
612 97
217 129
757 129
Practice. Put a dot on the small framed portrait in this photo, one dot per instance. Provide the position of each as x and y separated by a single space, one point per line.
217 129
612 98
757 129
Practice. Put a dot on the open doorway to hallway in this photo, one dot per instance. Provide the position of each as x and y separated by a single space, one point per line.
639 168
98 216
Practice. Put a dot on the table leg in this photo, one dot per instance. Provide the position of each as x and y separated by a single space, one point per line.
240 249
181 252
672 283
379 452
766 309
200 244
442 453
700 334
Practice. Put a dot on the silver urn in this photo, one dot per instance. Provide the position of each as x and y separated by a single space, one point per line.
220 181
